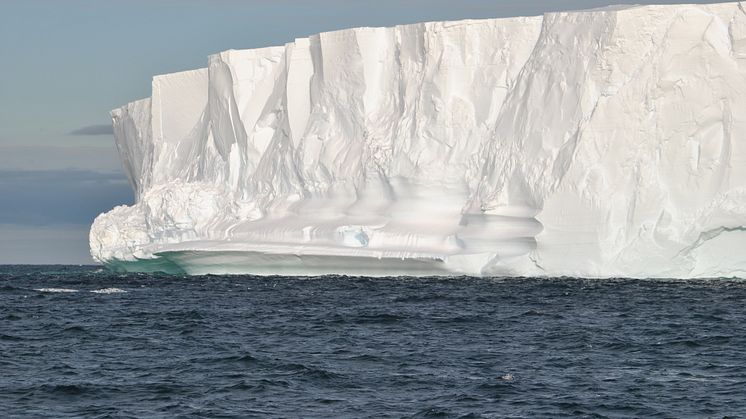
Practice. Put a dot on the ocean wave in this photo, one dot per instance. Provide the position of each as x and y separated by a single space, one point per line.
55 290
109 291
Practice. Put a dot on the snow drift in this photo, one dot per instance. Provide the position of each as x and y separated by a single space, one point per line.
593 144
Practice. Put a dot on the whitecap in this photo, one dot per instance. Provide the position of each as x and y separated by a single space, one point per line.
55 290
109 291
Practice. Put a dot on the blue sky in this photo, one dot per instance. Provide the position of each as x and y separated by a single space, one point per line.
66 63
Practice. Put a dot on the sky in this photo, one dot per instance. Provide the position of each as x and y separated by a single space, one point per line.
65 63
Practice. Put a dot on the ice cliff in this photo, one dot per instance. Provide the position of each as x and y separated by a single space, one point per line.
599 143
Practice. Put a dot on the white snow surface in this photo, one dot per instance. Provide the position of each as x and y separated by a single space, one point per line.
604 143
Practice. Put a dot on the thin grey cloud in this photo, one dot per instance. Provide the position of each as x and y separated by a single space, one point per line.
49 197
44 244
103 129
103 158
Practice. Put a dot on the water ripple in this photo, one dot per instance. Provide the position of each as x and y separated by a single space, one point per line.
81 342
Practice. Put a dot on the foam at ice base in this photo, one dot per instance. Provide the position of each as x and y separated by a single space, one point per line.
593 144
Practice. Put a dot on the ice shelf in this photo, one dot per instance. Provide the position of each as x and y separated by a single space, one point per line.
598 143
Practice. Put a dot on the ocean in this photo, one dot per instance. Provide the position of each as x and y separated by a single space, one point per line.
84 342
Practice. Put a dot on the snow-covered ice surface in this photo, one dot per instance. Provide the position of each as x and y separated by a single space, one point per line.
591 144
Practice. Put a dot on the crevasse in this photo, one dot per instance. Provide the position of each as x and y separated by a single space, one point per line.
600 143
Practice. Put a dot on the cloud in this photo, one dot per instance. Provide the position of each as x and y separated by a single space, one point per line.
45 215
55 197
44 245
104 129
34 158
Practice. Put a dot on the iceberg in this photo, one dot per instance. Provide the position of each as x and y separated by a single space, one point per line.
600 143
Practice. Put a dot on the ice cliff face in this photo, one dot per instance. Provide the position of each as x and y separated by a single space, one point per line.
595 144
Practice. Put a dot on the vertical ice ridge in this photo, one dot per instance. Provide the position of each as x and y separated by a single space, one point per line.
132 122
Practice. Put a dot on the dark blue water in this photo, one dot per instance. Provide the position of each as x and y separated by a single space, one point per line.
216 346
